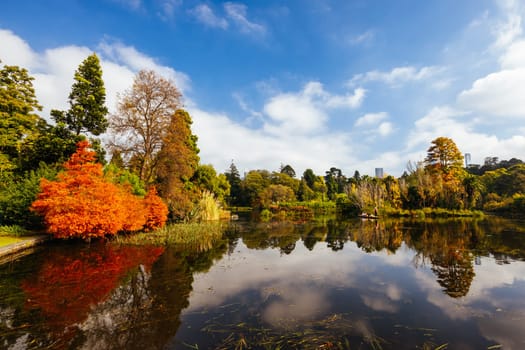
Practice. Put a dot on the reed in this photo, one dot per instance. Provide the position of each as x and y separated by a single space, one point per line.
200 236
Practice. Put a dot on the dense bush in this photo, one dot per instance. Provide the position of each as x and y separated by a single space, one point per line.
82 203
16 196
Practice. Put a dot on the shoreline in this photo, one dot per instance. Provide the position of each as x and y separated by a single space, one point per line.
13 251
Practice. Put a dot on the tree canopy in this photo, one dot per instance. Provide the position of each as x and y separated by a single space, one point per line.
443 155
18 107
87 110
143 116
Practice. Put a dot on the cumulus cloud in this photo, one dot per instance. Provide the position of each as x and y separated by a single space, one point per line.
238 14
398 75
450 122
371 119
204 14
375 124
305 112
130 57
53 69
499 93
221 139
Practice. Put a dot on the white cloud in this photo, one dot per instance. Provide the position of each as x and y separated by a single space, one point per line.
306 112
53 69
498 94
128 56
385 129
362 38
168 8
510 28
449 122
238 14
398 75
371 119
221 140
204 14
15 51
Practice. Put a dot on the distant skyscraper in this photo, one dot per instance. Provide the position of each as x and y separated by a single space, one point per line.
467 160
379 173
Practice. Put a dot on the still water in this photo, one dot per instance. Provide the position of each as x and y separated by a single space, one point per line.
457 284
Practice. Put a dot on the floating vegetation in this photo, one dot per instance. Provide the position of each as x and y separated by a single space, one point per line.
333 332
194 236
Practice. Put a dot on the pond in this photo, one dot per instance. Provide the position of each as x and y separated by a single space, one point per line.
333 284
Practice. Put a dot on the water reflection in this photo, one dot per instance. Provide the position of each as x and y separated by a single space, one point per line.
340 284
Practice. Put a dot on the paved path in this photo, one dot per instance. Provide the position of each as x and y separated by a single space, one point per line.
12 251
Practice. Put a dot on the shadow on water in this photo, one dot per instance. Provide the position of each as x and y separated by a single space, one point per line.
332 284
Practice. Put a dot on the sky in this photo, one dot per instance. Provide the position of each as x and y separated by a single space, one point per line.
351 84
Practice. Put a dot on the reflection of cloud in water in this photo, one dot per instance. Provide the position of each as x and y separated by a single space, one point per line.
506 330
380 304
491 275
497 323
260 269
293 305
393 292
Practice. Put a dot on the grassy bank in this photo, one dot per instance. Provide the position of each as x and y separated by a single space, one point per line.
5 241
12 234
430 213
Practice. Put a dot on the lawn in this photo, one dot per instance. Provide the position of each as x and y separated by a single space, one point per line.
8 240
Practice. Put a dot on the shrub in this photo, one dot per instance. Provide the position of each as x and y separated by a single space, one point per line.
82 203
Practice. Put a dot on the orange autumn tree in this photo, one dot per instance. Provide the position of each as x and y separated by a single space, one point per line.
82 203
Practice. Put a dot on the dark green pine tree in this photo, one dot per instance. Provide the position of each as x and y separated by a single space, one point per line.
87 100
234 178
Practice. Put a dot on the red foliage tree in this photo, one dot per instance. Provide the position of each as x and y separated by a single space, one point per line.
157 211
82 203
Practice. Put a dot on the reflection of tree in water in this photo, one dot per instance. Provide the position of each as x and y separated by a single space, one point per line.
454 272
337 234
373 236
107 297
282 235
153 319
68 286
314 234
448 248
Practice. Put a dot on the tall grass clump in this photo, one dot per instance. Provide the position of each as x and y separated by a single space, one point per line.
207 209
196 236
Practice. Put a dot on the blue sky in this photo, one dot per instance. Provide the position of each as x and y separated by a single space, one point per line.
315 84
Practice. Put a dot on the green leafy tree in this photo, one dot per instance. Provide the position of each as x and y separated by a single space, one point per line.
305 193
335 182
443 155
234 178
18 107
280 178
288 170
87 110
274 194
254 184
16 196
206 179
309 177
